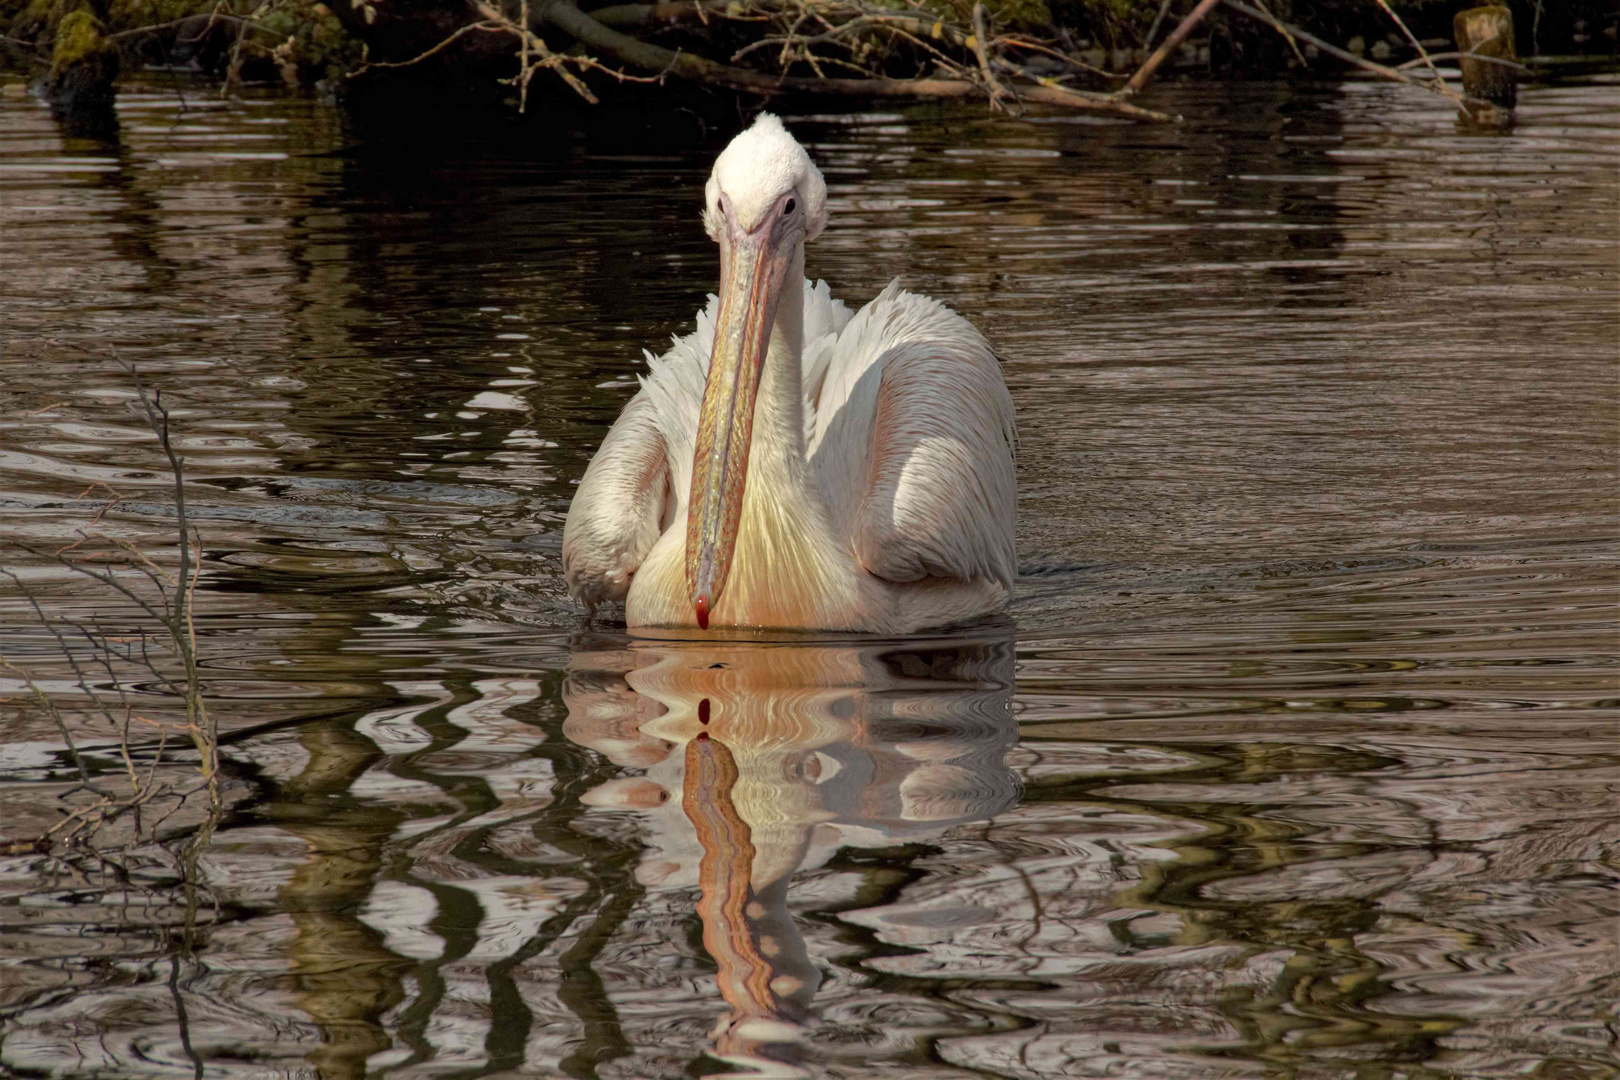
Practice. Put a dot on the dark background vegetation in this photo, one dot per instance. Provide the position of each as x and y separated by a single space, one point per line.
336 47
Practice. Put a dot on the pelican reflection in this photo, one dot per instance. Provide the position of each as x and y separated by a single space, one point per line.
757 761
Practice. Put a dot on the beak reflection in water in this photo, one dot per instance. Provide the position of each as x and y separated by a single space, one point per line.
765 761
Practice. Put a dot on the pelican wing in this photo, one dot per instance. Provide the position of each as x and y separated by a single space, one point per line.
618 511
913 444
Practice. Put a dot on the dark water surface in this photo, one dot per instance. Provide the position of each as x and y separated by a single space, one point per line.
1297 757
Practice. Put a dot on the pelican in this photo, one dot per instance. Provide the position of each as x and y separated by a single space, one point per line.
790 465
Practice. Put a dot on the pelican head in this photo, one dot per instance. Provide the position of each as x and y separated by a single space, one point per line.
764 199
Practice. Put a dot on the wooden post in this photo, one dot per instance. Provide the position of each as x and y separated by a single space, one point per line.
1487 31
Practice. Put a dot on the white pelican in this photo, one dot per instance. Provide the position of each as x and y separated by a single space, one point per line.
789 465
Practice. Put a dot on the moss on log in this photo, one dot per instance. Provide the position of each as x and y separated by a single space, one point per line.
84 68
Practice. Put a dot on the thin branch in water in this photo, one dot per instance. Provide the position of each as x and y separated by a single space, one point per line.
55 714
1333 50
1440 80
181 626
109 580
1470 55
1035 46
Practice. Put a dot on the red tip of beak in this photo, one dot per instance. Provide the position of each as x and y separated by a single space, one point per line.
702 604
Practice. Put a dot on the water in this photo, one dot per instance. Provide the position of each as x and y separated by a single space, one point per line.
1296 757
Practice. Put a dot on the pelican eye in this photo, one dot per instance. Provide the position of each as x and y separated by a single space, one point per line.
788 209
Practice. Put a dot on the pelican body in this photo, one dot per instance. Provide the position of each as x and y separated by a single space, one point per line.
792 465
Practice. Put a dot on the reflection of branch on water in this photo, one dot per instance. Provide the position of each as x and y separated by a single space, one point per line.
1324 983
607 897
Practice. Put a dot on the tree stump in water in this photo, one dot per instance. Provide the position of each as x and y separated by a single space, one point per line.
1487 31
84 64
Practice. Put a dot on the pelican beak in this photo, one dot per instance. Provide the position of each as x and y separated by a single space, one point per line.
752 269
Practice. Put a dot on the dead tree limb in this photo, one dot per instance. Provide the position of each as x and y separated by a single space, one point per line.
981 34
182 628
568 18
530 41
1170 45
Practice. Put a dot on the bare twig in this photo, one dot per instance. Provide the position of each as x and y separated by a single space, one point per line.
174 609
1471 55
111 581
50 708
531 40
436 49
216 16
802 29
179 623
233 72
796 46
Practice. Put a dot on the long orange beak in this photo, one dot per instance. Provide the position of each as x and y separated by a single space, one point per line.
752 269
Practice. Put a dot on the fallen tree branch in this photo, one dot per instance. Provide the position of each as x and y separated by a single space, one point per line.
980 35
1170 45
895 25
568 18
